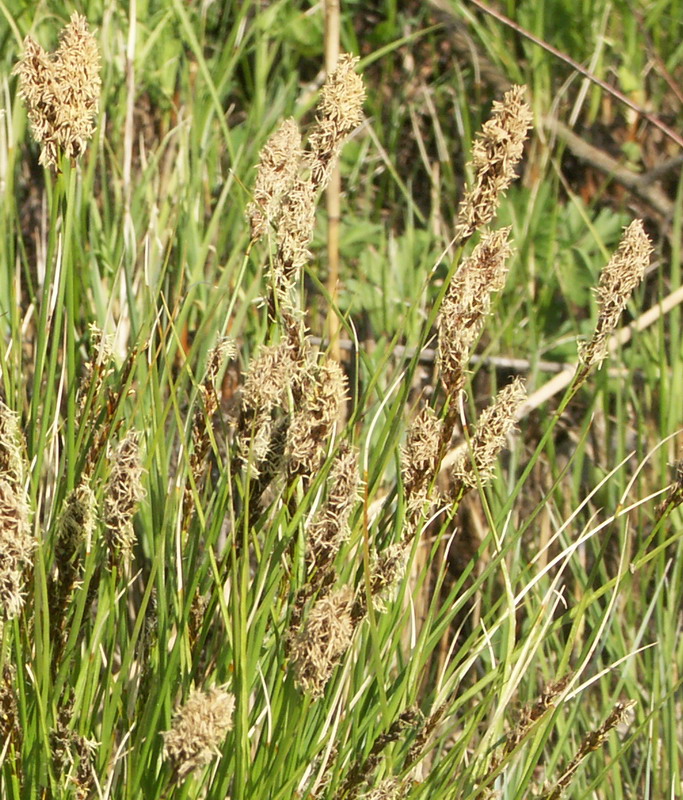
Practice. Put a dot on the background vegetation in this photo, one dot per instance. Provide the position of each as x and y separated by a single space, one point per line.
150 226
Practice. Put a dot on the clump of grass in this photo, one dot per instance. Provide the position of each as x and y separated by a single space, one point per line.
220 503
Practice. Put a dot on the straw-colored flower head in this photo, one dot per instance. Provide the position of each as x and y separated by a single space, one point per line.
123 493
16 540
467 303
12 462
618 279
62 91
279 162
199 728
16 548
475 466
387 789
496 152
340 111
266 385
325 637
295 231
420 457
387 571
330 529
223 351
324 391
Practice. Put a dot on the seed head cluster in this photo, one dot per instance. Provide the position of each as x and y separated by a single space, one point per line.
325 637
62 91
475 465
619 278
199 728
279 163
338 114
266 384
123 493
330 528
495 154
322 395
592 742
340 111
420 458
466 305
75 530
16 541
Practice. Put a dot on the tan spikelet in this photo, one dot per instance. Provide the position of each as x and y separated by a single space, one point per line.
495 153
62 91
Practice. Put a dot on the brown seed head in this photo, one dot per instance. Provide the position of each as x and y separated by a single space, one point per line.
16 540
467 303
322 395
123 493
495 154
326 636
279 162
420 458
475 466
593 741
62 91
389 569
618 279
340 111
16 548
387 789
199 728
330 528
266 385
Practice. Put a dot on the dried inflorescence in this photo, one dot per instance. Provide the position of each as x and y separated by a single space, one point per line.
316 648
323 391
123 493
618 279
16 540
220 353
279 163
674 497
69 750
495 153
339 112
526 723
76 526
330 527
98 367
388 569
266 385
420 458
592 742
199 728
475 466
295 232
75 530
387 789
62 91
10 725
466 305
